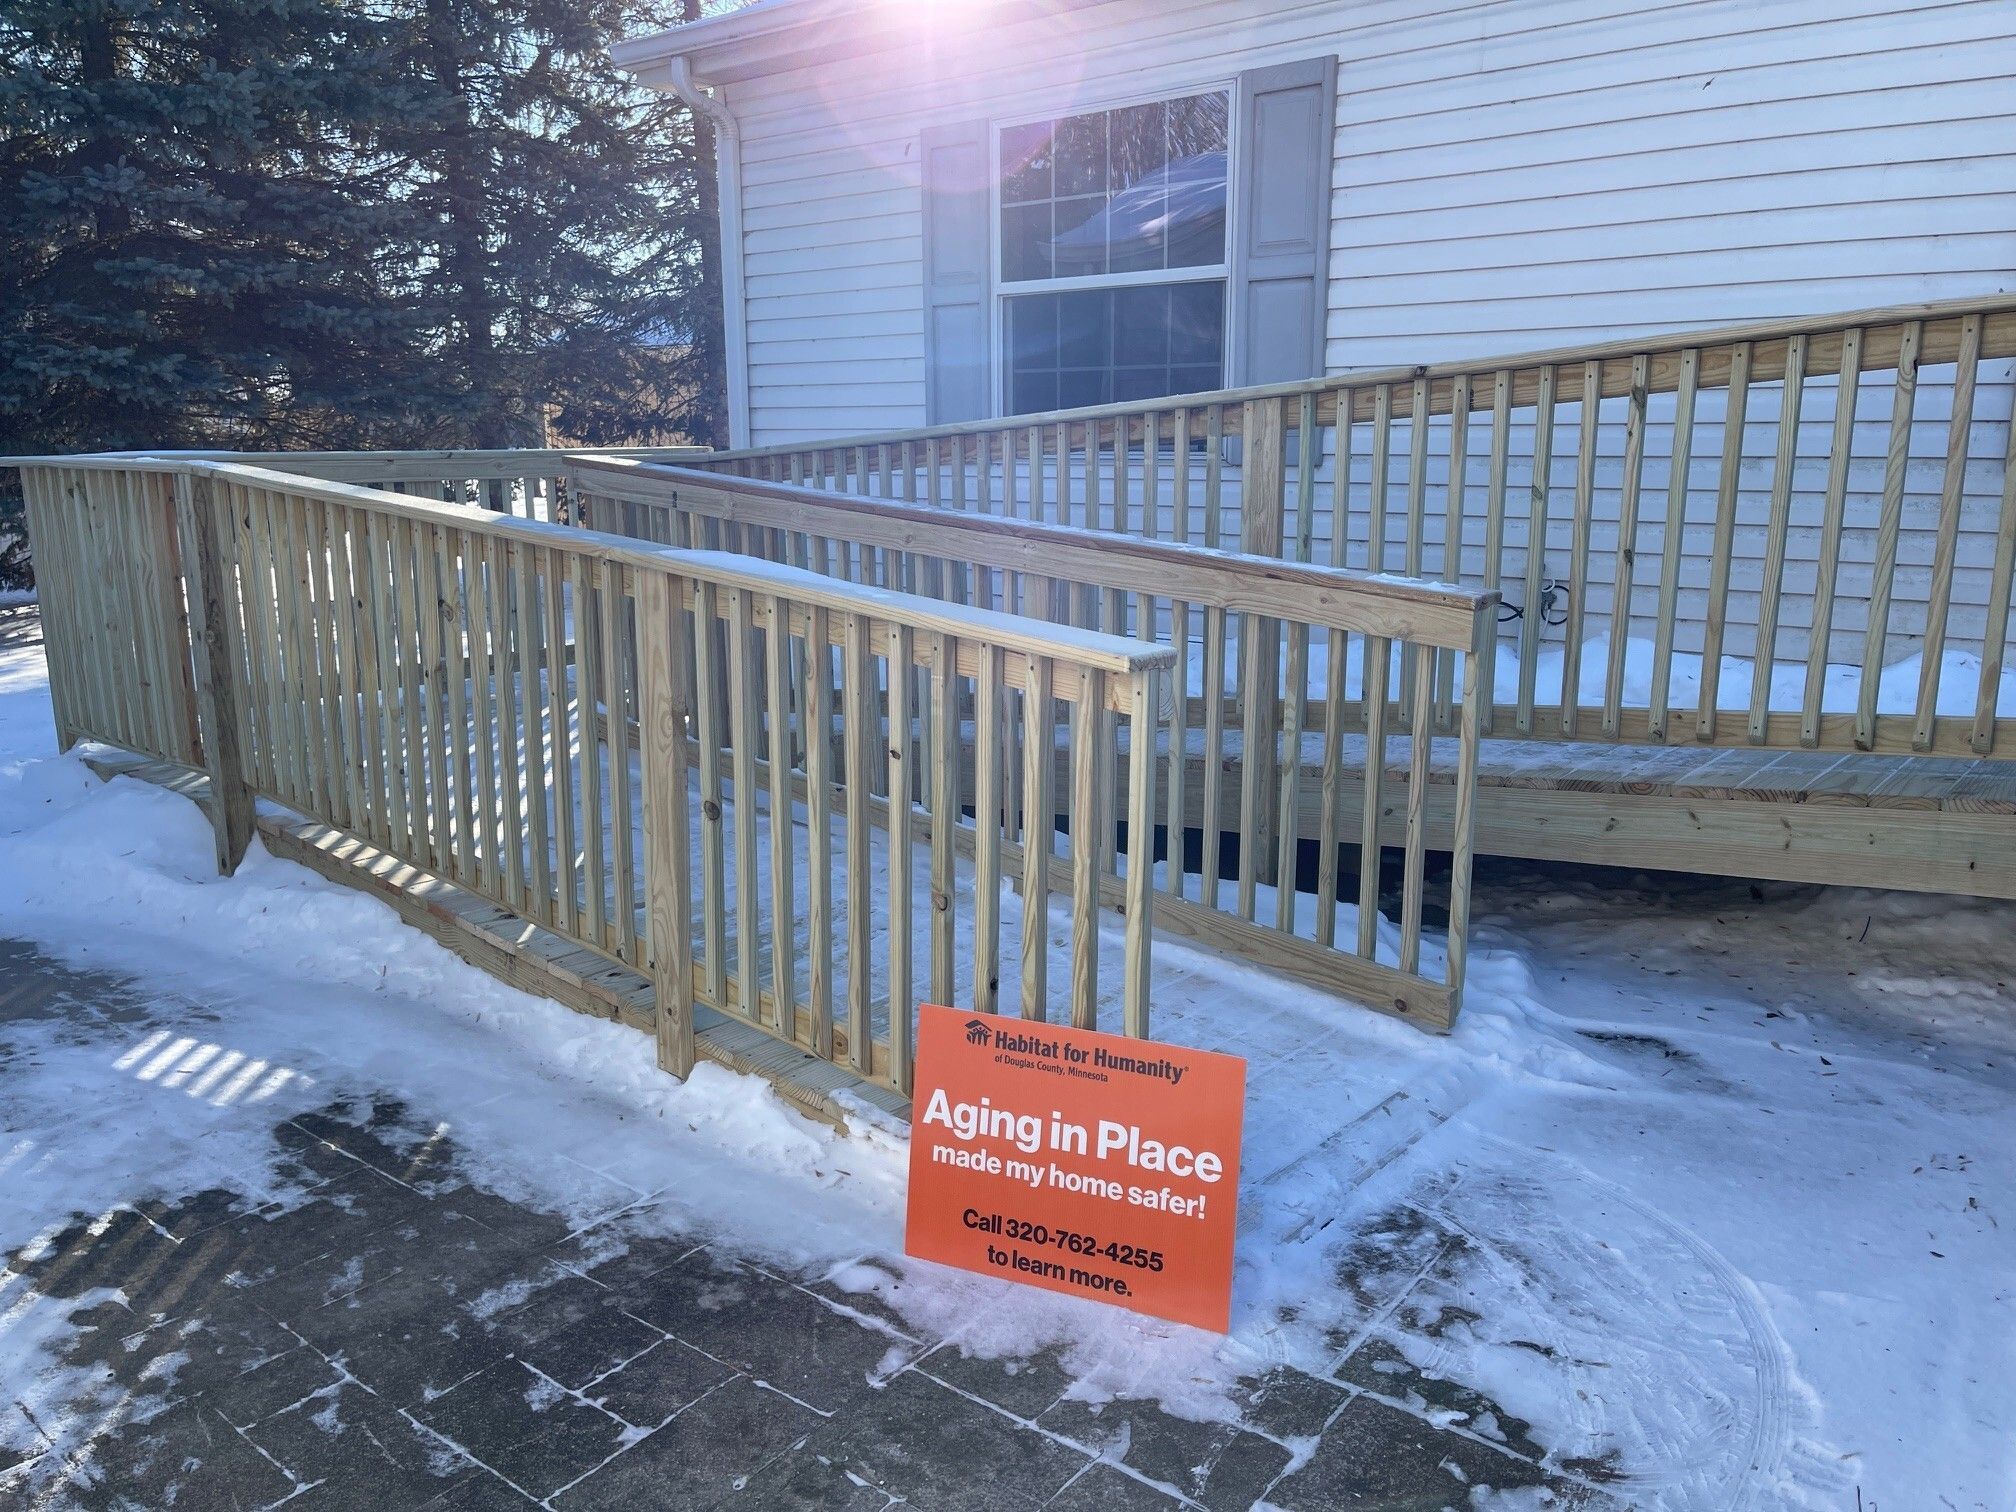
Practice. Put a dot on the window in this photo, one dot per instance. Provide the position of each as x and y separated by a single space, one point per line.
1112 271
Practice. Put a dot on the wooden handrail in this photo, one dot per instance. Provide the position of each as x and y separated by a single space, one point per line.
1332 598
726 569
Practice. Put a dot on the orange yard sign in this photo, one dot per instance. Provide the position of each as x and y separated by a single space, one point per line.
1083 1162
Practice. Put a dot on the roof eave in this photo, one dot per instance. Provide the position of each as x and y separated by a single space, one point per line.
773 35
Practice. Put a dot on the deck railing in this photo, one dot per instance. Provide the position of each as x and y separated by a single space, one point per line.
1795 534
441 681
1262 628
528 482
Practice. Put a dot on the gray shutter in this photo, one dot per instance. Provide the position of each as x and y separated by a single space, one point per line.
1280 263
956 201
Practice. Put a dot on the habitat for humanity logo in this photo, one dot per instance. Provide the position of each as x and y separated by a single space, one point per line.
1075 1060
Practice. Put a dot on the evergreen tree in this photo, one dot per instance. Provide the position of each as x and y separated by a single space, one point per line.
190 250
560 262
347 224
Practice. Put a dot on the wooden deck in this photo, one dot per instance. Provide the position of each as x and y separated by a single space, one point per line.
1926 824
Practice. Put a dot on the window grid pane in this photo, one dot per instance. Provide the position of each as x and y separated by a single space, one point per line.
1137 189
1101 346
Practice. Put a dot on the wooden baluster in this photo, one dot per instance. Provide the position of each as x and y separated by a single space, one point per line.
1727 484
136 586
83 502
1660 701
536 579
409 544
1494 525
1584 523
367 577
1287 817
381 536
743 699
861 727
566 894
668 882
1328 829
1039 811
1308 462
778 664
511 831
1088 704
290 571
456 547
1417 500
1627 548
987 826
1420 748
1883 574
51 528
1378 659
1151 475
1214 750
819 828
1177 820
1532 623
1375 502
1253 698
1263 425
708 734
1143 694
1463 829
1995 614
1947 543
944 751
902 942
1214 475
1035 472
621 817
484 663
589 649
1452 534
1777 530
321 656
1092 515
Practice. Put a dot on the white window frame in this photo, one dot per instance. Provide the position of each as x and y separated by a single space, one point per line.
1001 290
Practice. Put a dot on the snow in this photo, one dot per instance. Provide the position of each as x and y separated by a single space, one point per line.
1711 1182
1897 682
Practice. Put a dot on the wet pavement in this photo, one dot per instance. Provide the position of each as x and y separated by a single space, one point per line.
390 1335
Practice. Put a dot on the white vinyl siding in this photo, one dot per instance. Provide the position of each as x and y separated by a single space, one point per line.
1507 176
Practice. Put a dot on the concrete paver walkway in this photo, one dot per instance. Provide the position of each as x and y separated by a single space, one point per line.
402 1338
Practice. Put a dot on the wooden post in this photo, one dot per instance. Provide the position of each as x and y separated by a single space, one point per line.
667 855
214 647
1463 832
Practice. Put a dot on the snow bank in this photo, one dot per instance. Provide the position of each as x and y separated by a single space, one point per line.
1708 1187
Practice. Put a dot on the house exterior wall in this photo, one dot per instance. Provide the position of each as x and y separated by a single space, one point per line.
1506 176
